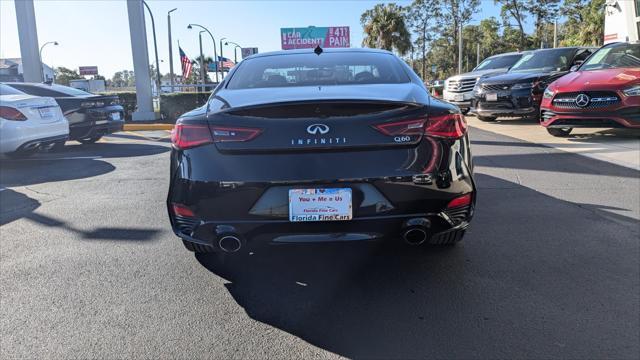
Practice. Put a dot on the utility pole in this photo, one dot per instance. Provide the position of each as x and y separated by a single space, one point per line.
220 62
202 69
478 56
555 32
460 49
170 48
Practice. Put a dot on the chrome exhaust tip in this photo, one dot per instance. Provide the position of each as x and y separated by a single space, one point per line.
229 243
415 236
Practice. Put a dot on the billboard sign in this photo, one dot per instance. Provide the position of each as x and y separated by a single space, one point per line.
310 37
88 70
246 52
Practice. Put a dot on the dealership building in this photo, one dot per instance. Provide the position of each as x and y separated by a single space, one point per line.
11 70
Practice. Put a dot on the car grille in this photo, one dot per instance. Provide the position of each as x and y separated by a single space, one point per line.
496 87
461 85
185 225
597 99
547 115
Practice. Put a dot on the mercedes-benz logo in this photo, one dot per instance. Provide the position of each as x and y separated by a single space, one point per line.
315 129
582 100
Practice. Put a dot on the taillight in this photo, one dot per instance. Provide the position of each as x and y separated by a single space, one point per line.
226 134
10 113
185 136
464 200
452 126
182 210
406 127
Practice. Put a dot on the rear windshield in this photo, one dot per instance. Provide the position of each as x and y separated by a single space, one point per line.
498 62
344 68
8 90
545 60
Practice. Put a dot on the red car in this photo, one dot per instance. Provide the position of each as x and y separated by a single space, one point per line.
602 92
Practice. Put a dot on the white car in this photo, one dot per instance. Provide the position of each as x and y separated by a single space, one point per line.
29 123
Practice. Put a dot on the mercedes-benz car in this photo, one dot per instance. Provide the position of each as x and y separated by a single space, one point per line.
458 89
90 116
305 146
518 92
604 92
29 123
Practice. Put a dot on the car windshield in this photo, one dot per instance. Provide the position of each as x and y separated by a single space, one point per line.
545 60
309 69
616 56
498 62
8 90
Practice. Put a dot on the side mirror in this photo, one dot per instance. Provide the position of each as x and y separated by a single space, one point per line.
574 68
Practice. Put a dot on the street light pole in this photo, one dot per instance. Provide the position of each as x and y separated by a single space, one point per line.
235 54
221 56
55 43
202 70
215 54
155 45
170 48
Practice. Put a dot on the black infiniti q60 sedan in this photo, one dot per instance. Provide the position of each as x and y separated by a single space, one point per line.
316 146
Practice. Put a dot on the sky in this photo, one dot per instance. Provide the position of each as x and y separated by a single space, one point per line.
96 32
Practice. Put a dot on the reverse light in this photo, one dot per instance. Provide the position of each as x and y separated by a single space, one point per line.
10 113
460 201
185 136
632 91
228 134
181 210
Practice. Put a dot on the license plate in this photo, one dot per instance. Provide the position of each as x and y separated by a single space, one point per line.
492 97
46 113
458 97
320 205
115 116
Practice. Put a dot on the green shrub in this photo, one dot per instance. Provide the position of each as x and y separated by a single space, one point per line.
175 104
171 105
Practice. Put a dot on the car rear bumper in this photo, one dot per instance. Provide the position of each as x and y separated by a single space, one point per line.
99 128
627 117
20 136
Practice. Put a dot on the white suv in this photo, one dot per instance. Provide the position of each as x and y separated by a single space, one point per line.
459 89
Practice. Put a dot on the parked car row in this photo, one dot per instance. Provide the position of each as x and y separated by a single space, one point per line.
44 116
563 87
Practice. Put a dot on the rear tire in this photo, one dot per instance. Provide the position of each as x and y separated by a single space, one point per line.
89 140
486 118
197 248
465 111
559 132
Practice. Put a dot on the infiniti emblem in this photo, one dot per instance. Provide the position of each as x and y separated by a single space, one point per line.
316 129
582 100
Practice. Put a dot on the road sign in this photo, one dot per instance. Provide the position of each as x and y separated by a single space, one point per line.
248 51
310 37
88 70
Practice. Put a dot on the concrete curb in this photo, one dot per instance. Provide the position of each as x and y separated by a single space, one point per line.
134 127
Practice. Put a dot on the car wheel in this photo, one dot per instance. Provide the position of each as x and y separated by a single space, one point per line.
197 248
486 118
90 140
559 132
465 111
21 154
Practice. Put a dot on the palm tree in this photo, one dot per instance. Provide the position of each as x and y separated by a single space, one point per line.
385 28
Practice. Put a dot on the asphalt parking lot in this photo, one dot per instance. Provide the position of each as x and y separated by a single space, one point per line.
89 267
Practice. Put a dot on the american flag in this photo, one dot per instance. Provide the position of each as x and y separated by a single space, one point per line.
186 64
225 63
